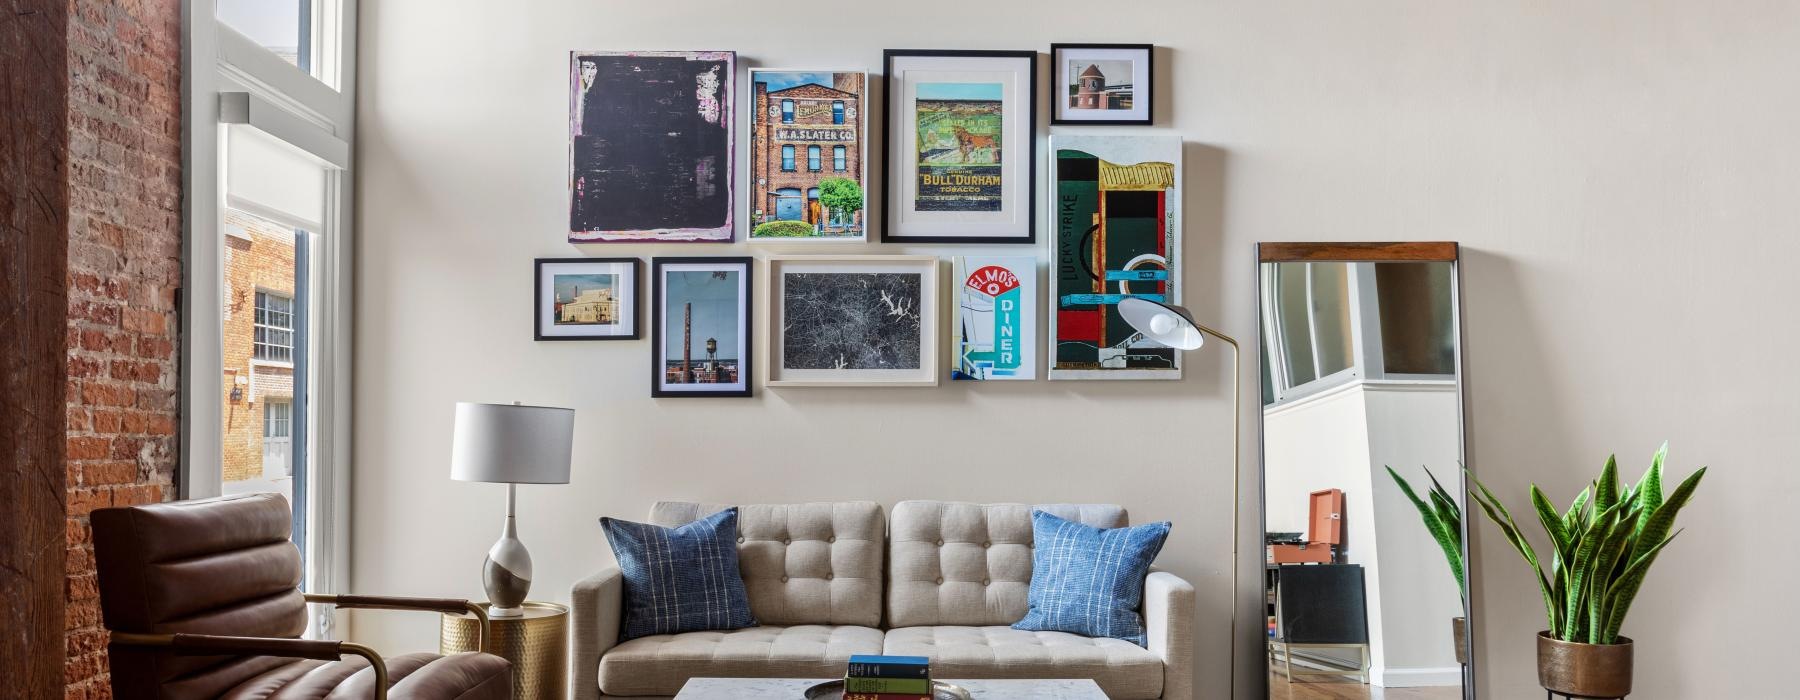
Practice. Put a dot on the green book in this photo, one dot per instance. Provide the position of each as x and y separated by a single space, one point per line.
909 686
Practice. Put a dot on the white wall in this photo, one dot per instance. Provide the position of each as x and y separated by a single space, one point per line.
1624 175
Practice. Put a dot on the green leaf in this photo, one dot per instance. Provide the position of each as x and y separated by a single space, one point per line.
1552 522
1577 509
1497 513
1625 589
1649 493
1606 488
1606 560
1448 540
1581 567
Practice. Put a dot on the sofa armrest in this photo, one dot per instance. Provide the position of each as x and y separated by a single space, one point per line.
1169 631
597 603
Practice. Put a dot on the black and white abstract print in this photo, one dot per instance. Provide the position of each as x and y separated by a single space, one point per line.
851 320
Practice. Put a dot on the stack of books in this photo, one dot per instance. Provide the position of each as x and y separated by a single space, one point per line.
872 677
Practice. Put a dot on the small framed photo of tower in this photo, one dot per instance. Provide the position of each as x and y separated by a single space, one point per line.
1102 84
586 299
700 326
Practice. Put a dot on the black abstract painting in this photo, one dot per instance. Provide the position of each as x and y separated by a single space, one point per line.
863 320
650 155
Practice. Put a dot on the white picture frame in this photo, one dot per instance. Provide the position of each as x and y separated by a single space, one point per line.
882 310
994 331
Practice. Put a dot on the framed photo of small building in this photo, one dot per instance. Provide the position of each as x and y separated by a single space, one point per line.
585 298
807 177
700 326
853 320
959 146
650 146
1102 84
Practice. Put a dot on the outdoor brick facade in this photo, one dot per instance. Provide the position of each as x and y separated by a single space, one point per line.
259 257
124 271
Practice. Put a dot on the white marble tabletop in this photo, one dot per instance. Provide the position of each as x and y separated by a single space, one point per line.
785 688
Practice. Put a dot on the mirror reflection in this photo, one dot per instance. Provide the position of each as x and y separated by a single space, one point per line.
1362 480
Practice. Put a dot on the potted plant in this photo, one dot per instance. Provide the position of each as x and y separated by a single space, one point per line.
1603 545
1443 519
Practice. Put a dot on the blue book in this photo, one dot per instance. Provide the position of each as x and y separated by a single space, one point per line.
874 666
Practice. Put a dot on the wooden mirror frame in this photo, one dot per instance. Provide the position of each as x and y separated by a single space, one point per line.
1416 251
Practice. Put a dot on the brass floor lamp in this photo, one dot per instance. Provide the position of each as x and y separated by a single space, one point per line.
1175 327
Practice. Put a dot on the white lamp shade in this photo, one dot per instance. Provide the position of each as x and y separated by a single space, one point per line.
1170 325
512 444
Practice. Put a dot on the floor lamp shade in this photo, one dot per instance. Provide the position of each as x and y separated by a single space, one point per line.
1170 325
512 444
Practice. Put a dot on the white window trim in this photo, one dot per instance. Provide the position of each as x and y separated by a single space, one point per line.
1367 365
316 118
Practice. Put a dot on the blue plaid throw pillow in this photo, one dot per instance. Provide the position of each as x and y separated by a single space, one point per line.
1089 581
682 579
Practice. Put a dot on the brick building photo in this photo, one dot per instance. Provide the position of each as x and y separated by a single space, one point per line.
806 155
260 324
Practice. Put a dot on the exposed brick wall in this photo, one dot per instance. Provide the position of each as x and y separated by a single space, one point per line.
124 269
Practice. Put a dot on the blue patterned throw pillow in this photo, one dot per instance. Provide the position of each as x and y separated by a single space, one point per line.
681 579
1089 581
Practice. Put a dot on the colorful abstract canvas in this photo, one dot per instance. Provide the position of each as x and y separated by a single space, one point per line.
996 318
1117 213
650 145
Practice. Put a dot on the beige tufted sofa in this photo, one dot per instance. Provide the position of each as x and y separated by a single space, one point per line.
827 580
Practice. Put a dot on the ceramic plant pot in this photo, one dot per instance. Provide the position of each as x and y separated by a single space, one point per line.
1584 670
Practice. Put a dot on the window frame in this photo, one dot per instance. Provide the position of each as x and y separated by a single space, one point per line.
787 110
262 328
840 158
815 158
230 82
1367 361
837 112
787 158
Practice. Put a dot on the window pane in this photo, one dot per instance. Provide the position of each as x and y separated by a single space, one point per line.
1291 308
1416 332
1331 317
261 327
281 26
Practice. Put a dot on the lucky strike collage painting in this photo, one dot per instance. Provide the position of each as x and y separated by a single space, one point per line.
677 147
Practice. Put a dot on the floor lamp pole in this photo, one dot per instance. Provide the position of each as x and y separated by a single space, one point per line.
1237 381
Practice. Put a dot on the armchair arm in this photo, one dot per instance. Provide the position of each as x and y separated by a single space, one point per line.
597 605
1169 631
208 644
448 606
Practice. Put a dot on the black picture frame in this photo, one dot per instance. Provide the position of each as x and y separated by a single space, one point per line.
537 297
889 211
746 316
1053 91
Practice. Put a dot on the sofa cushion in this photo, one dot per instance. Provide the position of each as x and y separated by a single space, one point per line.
660 664
680 579
1124 670
803 563
968 563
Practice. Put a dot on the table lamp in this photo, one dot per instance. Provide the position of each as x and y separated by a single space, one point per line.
1175 327
510 444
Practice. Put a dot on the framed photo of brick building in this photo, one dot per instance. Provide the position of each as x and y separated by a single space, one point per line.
651 146
807 178
700 326
585 298
959 146
1102 84
852 320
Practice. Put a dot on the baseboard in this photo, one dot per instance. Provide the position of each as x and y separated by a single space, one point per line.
1417 677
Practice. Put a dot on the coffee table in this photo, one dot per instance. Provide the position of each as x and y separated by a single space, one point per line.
782 688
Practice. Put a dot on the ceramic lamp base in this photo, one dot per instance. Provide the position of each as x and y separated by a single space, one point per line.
495 611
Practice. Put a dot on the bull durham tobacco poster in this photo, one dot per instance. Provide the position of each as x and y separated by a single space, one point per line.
650 145
1116 212
959 140
958 146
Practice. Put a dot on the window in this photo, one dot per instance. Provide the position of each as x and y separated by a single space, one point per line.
837 111
839 158
812 158
274 327
787 158
787 111
1332 323
267 256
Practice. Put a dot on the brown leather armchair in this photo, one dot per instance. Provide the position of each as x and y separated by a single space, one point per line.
203 601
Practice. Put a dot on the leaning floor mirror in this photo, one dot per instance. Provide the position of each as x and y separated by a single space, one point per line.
1362 481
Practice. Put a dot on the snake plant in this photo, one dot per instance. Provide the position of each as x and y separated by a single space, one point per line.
1604 544
1443 519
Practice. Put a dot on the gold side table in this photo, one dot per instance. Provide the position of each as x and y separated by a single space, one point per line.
536 644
